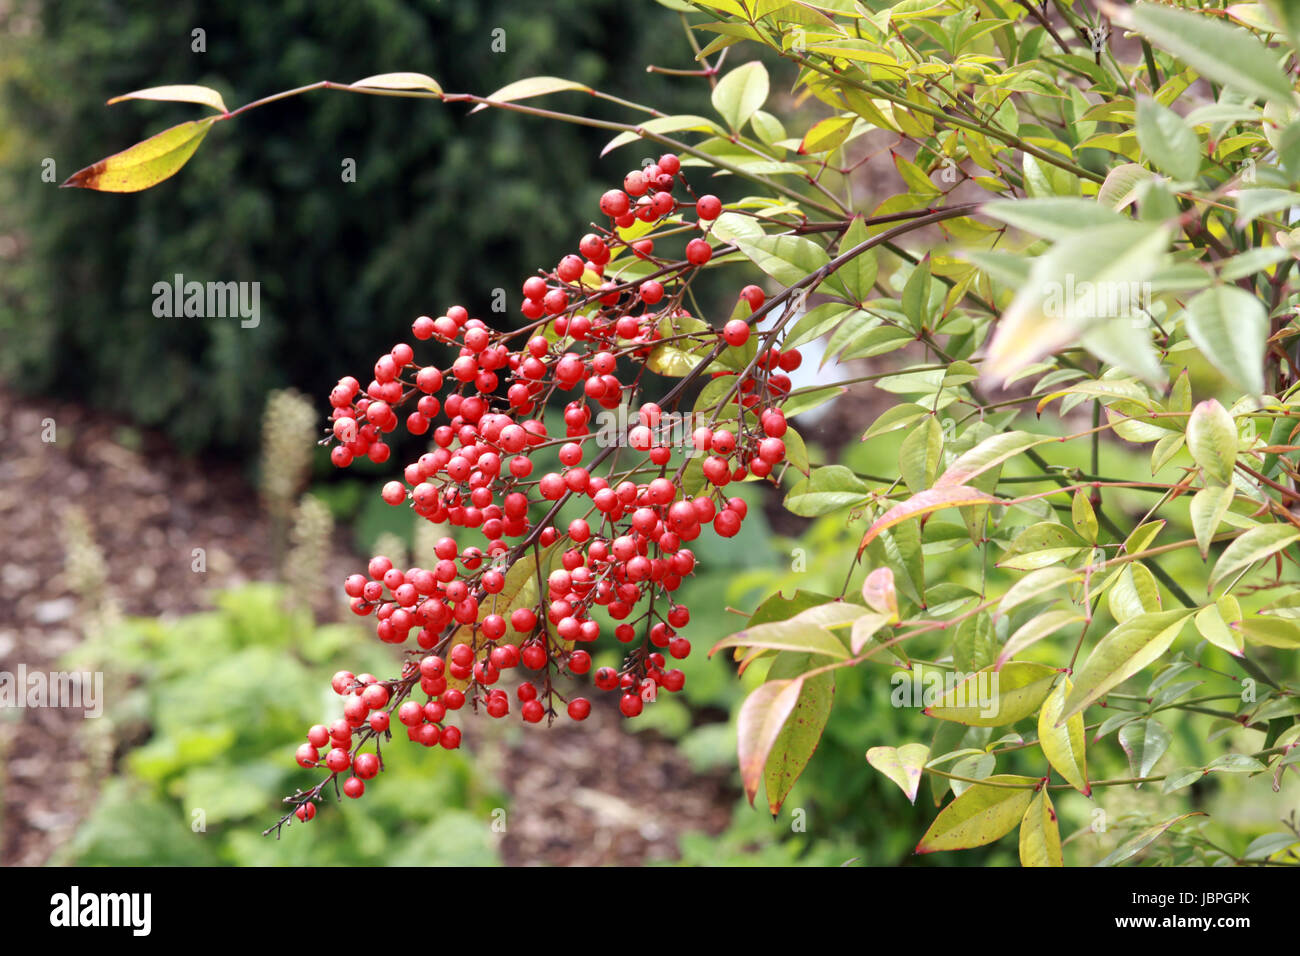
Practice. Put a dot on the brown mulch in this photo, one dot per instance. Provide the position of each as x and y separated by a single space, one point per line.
595 794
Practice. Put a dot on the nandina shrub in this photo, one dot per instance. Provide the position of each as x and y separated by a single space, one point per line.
1106 262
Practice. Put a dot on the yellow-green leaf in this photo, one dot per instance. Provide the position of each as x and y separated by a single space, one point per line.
903 765
1123 652
1065 747
985 812
991 698
1040 834
1255 545
145 164
532 86
204 95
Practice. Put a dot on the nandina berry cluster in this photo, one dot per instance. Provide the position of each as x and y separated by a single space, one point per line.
483 610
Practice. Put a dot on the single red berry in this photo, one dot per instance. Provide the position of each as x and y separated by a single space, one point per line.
736 332
698 252
579 708
708 207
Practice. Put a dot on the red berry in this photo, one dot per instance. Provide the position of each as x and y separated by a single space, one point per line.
736 332
698 252
708 207
579 708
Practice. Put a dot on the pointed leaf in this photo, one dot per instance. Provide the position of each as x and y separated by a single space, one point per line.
1145 741
902 765
145 164
989 453
923 504
203 95
1208 506
980 815
806 632
1223 53
1123 652
761 718
1255 545
1212 440
401 81
532 86
991 698
740 93
802 732
1040 834
1230 326
1144 838
1064 746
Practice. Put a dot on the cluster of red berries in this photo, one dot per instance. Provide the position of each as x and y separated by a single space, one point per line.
627 548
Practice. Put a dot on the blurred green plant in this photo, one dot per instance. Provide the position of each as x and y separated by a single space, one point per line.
203 742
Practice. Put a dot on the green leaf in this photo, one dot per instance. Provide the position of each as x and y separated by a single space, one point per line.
672 362
1212 440
663 124
1064 746
1255 545
923 504
1034 584
1123 652
803 729
1230 327
1121 186
1225 54
805 400
975 644
980 815
1145 741
1040 834
1136 844
740 93
826 490
796 452
1208 507
1034 630
858 275
410 81
991 698
915 301
816 322
921 454
1090 276
1217 627
903 765
1084 517
1134 592
203 95
1048 218
145 164
989 453
1272 631
827 134
806 632
787 259
761 718
1167 140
